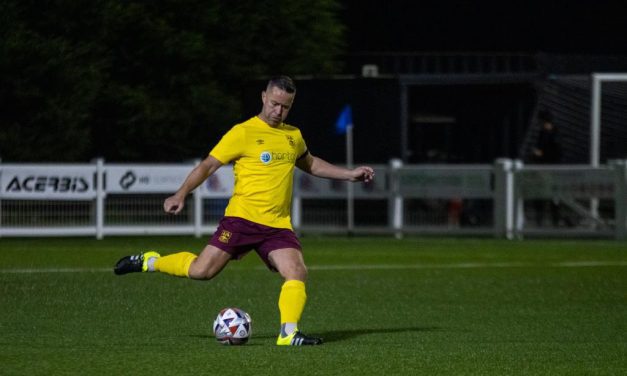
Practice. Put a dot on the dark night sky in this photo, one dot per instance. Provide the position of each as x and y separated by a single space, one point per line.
576 27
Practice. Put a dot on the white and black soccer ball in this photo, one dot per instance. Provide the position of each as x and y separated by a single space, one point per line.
233 326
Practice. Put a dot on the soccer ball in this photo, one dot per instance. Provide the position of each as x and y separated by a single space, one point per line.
233 326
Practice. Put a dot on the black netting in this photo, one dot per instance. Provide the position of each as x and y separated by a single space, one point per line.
568 100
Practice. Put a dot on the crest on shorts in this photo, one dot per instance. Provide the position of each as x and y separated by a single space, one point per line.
225 236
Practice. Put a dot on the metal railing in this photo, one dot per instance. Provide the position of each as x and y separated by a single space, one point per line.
506 199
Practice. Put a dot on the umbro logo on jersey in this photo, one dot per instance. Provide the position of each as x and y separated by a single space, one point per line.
260 142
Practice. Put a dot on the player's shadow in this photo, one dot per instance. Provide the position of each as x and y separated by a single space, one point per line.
212 338
343 335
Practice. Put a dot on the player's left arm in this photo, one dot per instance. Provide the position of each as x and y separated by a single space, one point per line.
319 167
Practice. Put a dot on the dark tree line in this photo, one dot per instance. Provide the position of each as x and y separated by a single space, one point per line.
153 80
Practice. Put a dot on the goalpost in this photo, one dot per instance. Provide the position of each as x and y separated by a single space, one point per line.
595 120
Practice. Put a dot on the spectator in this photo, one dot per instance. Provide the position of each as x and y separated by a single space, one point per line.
547 151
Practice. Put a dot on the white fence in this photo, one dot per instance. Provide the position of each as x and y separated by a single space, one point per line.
507 199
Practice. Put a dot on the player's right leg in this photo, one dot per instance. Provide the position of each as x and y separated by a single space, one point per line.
182 264
290 264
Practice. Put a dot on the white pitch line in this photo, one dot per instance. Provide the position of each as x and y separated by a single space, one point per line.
467 265
576 264
55 270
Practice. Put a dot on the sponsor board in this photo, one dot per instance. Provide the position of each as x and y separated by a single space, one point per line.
309 186
47 181
578 184
163 179
445 183
145 178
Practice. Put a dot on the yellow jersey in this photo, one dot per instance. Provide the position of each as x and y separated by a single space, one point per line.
263 159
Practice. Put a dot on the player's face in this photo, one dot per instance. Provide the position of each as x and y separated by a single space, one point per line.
276 105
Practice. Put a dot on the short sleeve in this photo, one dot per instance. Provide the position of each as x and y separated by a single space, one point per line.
231 146
302 147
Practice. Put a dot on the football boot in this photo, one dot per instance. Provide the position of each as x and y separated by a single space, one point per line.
298 339
134 263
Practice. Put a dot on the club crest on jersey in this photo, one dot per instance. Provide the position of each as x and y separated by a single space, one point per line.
225 236
291 141
265 157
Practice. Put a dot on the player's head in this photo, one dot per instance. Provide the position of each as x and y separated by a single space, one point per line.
284 83
277 99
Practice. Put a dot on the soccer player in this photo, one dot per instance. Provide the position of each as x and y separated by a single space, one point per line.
264 151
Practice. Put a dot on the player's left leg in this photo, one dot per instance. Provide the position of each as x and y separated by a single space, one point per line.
135 263
290 264
227 242
181 264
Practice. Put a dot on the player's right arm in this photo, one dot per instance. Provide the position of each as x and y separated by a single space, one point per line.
175 203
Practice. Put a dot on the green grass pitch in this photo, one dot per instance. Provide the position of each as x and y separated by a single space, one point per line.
417 306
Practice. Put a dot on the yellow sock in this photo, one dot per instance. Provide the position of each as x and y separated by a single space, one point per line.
292 301
176 264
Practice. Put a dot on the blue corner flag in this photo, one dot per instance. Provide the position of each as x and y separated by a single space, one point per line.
345 120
